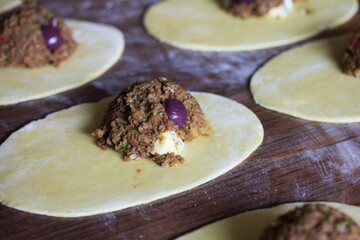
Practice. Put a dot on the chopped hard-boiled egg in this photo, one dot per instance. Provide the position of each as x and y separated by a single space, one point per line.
282 10
168 142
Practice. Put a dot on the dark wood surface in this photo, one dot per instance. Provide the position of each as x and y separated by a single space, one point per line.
298 160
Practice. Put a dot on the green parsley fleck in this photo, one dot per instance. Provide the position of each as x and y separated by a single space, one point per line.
349 223
309 236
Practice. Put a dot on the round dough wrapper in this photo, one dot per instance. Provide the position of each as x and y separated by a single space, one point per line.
100 46
54 167
307 82
250 225
6 5
203 26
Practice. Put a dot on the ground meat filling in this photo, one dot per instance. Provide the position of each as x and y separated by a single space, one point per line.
351 57
22 42
168 160
136 119
313 222
247 8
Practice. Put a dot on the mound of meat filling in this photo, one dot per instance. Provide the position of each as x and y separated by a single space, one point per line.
137 119
247 8
31 36
351 57
313 222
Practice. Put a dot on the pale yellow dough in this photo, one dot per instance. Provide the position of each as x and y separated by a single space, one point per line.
202 25
6 5
100 46
307 82
54 167
249 225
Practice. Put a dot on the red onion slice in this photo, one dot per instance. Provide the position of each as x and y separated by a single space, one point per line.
53 22
244 1
52 37
176 111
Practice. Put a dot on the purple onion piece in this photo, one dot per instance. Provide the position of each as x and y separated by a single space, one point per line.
53 22
176 111
244 1
52 37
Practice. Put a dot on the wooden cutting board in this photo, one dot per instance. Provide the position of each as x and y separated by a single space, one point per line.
298 160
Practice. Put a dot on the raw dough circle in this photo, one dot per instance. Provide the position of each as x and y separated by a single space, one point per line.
203 26
100 46
54 167
250 225
6 5
307 82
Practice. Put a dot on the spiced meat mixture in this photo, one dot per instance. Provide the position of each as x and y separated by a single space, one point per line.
247 8
136 118
21 37
351 57
313 222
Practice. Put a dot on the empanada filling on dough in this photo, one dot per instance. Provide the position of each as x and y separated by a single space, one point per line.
250 225
351 57
307 82
53 166
260 8
99 47
312 221
204 25
32 36
152 119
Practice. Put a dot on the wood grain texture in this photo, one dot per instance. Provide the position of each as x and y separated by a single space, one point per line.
298 160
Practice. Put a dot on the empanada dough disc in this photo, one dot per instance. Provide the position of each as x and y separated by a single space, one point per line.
203 26
307 82
250 225
100 46
54 167
6 5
